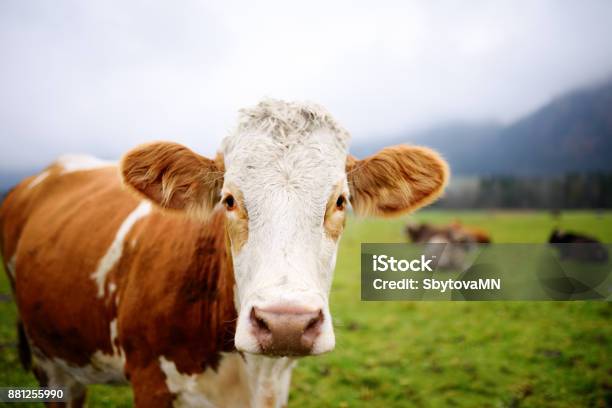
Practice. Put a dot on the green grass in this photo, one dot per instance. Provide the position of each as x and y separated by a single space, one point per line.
436 354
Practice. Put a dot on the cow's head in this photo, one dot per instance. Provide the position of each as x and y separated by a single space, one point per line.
285 182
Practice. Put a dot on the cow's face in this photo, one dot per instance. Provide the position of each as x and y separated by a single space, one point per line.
285 182
285 198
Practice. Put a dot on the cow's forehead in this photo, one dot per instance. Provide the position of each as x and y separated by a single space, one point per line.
273 179
281 144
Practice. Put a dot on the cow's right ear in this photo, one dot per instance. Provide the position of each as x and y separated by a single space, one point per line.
174 177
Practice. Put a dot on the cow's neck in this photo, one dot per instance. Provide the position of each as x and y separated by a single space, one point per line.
269 379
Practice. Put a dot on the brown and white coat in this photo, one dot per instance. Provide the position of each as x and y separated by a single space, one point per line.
197 281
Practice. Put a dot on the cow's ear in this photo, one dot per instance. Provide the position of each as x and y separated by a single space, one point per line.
174 177
395 180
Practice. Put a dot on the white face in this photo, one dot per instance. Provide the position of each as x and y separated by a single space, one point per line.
284 203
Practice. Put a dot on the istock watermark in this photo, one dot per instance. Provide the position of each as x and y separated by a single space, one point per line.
382 263
486 272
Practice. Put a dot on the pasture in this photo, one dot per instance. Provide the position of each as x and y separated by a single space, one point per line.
433 354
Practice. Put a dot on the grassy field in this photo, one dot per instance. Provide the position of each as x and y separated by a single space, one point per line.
428 354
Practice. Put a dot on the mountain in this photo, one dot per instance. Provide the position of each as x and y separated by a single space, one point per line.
573 133
461 143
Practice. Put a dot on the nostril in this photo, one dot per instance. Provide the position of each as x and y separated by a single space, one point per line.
258 322
314 324
261 324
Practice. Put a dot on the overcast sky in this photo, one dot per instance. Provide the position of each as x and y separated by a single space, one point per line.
103 76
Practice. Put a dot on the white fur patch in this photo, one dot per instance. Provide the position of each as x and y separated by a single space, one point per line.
194 390
252 381
76 162
103 369
116 249
38 179
112 365
269 379
114 333
286 159
107 368
59 375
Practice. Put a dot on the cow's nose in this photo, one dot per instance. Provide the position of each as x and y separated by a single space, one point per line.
286 331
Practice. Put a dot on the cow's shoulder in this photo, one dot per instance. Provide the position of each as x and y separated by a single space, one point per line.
179 290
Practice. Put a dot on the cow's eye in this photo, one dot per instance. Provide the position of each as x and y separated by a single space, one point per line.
229 202
340 202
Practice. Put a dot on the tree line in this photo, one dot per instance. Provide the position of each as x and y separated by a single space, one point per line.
569 191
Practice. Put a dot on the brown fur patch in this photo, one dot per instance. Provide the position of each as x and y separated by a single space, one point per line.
17 207
176 296
174 279
396 180
71 220
150 389
174 177
335 218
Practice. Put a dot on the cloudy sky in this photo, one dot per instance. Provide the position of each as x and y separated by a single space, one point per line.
103 76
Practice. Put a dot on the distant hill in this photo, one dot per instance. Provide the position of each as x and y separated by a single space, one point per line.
571 133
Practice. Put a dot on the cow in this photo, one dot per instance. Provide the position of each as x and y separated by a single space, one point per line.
455 232
578 247
197 281
462 239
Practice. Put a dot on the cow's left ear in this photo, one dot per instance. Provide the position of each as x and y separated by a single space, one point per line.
396 180
174 177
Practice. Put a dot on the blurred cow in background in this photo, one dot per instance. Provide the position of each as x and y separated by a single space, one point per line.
578 247
452 233
462 239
